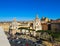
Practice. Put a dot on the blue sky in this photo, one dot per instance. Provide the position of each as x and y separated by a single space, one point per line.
27 9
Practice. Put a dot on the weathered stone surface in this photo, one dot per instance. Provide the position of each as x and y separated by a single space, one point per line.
3 38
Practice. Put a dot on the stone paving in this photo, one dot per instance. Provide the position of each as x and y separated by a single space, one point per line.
3 38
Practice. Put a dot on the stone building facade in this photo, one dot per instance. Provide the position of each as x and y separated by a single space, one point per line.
5 26
36 24
55 25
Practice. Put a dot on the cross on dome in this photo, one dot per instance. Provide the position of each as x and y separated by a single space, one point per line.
37 16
